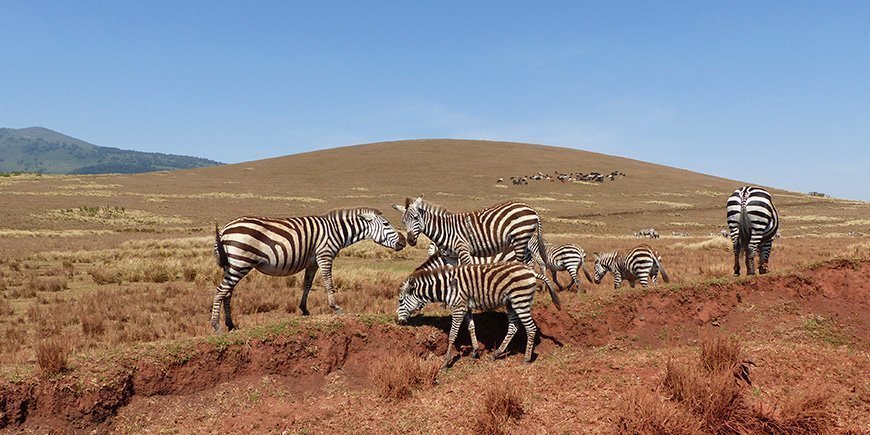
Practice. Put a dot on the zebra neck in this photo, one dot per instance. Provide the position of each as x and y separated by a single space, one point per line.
345 232
438 228
432 290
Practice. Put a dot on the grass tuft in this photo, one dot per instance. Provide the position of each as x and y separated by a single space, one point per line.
397 377
501 408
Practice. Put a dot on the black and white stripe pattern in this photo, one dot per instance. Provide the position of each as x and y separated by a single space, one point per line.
563 257
468 287
481 233
282 247
439 259
753 223
640 264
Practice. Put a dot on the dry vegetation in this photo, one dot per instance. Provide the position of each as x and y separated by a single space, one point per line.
95 266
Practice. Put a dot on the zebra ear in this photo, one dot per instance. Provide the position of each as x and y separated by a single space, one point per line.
399 208
595 254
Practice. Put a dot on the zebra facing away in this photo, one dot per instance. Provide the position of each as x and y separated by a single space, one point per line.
481 233
467 287
753 223
564 257
640 264
283 247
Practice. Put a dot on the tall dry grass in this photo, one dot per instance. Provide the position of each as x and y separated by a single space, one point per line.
396 377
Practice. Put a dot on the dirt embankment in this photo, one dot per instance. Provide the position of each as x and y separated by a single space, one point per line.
89 395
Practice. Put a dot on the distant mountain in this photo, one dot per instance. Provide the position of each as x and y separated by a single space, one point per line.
38 149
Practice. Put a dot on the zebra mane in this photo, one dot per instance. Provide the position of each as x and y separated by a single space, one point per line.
434 208
417 274
338 212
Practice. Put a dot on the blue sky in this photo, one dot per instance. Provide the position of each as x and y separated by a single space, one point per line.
775 93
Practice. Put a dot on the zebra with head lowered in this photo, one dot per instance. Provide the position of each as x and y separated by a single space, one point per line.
640 264
476 286
563 257
481 233
753 223
283 247
438 259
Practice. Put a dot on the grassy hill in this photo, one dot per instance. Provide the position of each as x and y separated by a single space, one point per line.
42 150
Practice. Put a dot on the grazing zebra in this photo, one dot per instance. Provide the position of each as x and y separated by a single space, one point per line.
563 257
640 264
467 287
283 247
753 222
481 233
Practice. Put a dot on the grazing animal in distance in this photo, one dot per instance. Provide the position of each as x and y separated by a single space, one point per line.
639 264
467 287
283 247
753 223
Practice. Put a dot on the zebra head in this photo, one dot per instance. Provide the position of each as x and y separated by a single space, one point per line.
409 302
379 229
412 218
600 269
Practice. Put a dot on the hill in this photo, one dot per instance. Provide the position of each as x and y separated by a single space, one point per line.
38 149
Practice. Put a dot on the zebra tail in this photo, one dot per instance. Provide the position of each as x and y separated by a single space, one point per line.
745 231
553 295
222 260
542 250
662 270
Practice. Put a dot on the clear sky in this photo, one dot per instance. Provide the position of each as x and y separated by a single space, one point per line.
770 92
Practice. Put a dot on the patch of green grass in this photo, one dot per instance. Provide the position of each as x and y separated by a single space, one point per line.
824 329
370 319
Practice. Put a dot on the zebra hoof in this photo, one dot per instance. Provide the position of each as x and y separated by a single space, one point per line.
497 355
527 360
338 310
475 354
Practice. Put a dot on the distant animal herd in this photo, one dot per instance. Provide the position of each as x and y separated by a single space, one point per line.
478 260
564 177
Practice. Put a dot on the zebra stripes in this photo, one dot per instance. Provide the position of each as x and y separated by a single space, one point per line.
438 259
640 264
753 223
563 257
480 233
476 286
282 247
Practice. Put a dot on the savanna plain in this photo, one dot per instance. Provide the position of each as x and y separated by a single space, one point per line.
107 283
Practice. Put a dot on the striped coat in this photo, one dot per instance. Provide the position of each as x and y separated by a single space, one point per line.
481 233
467 287
639 264
753 223
282 247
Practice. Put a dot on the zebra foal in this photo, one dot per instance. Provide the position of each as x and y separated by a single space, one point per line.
639 264
563 257
283 247
467 287
753 224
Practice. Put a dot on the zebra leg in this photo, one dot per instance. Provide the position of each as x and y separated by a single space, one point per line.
556 280
307 282
222 296
617 279
765 256
575 281
750 259
513 319
531 330
324 262
644 281
228 312
475 347
736 248
457 316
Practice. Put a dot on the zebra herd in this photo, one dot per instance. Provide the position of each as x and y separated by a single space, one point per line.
483 259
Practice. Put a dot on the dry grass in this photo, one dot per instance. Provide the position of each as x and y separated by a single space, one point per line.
712 392
110 215
500 408
396 377
52 355
713 243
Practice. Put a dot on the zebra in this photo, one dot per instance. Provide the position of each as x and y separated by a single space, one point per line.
476 286
564 257
640 264
481 233
753 223
439 259
283 247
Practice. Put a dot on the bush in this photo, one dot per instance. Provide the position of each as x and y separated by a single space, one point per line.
501 407
48 284
51 355
396 377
